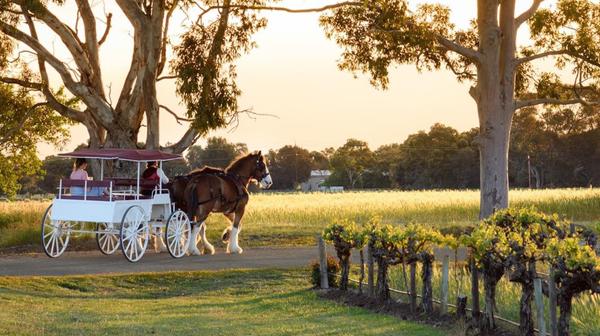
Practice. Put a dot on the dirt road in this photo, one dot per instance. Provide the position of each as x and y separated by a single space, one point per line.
78 263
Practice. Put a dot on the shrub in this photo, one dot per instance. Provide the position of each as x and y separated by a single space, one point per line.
333 268
345 235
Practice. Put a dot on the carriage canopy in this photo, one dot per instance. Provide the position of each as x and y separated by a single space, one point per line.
135 155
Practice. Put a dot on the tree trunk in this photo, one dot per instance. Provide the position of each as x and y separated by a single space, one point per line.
564 303
490 302
345 264
413 286
494 95
525 314
383 289
426 273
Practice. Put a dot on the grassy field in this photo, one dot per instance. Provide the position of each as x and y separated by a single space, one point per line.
268 302
294 218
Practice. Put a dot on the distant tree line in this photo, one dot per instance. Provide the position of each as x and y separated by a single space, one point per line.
548 150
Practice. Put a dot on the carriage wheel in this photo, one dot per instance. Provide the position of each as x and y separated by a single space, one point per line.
135 233
55 234
107 238
177 233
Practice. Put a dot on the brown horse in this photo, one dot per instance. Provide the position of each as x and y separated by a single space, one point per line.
211 189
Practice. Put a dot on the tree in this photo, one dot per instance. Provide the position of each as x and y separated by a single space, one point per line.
23 124
376 34
440 158
290 166
55 168
350 162
217 153
383 171
320 160
202 65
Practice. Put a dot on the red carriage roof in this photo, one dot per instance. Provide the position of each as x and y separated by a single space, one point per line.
122 154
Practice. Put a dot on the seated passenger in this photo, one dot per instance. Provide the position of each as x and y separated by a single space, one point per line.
80 173
153 173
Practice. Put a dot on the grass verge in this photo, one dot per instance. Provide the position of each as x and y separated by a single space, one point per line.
257 302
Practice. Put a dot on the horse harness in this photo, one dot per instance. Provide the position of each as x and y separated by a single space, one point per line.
236 180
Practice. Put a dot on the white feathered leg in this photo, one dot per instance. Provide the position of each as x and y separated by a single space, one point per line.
192 248
159 243
233 246
208 248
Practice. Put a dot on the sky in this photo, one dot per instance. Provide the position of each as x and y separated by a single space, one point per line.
293 75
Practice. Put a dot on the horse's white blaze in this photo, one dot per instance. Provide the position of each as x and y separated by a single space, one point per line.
267 181
192 248
233 246
207 246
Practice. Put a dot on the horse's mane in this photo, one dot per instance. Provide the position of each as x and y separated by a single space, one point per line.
205 170
238 162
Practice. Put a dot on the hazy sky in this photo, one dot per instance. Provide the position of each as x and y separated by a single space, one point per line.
293 75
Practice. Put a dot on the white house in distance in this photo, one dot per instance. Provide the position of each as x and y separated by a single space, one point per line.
317 178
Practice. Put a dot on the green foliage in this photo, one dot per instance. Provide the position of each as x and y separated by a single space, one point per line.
521 234
350 162
289 166
333 268
345 232
205 65
23 124
575 256
385 32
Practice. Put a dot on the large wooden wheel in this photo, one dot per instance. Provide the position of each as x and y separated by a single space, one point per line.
107 238
55 234
135 233
177 233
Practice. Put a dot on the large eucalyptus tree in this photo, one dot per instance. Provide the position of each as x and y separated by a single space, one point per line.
202 63
375 34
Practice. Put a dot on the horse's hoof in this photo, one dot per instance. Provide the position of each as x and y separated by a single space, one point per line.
195 252
209 250
235 250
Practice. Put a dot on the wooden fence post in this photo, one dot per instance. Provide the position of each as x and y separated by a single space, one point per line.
362 271
323 263
413 286
445 275
539 304
461 306
474 289
370 276
552 303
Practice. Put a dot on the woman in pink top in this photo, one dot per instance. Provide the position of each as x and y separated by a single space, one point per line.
80 173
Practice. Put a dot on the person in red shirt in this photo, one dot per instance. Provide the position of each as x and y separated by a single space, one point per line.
153 173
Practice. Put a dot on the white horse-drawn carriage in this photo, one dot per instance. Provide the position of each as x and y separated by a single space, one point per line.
121 216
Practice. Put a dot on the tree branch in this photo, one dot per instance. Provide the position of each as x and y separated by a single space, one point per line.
107 30
528 13
469 53
65 33
550 101
177 118
289 10
532 58
189 138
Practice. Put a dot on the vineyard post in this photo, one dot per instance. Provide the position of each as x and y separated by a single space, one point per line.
413 286
323 263
370 277
552 302
362 271
539 304
445 274
474 288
